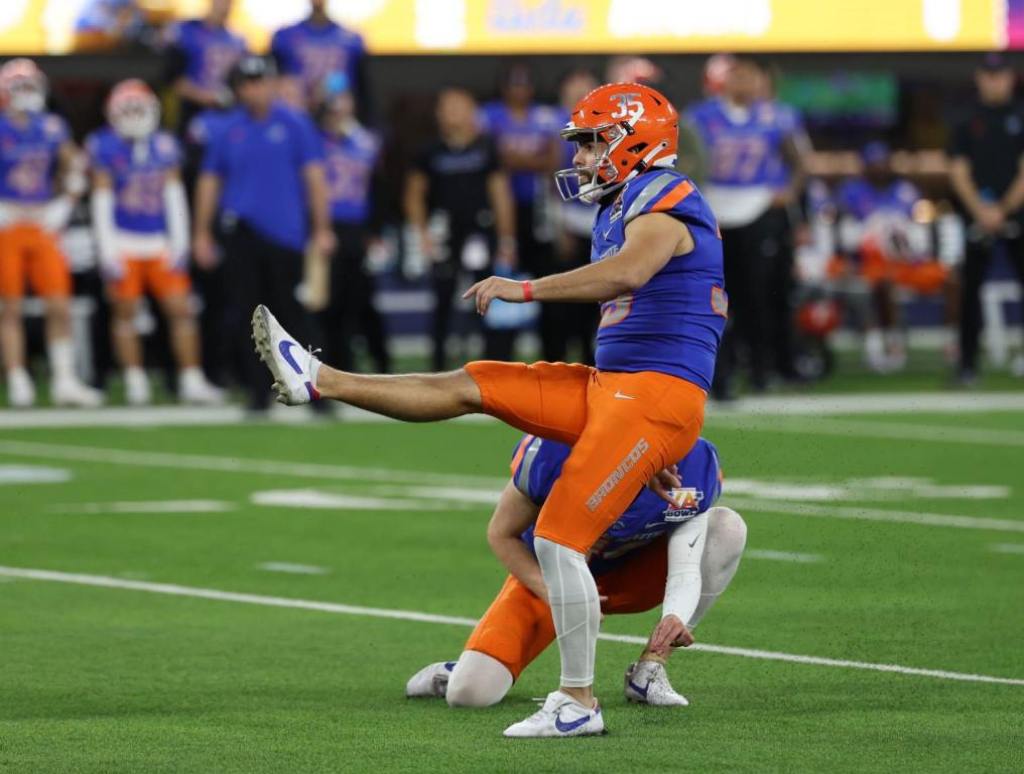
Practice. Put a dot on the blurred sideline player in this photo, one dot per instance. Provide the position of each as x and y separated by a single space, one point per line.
310 51
351 166
199 55
891 250
40 180
756 149
657 268
140 219
682 556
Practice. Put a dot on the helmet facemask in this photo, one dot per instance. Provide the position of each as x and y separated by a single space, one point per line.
591 182
26 95
135 118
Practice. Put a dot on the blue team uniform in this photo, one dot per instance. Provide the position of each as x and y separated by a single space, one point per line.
349 161
537 463
746 152
208 124
260 162
311 52
674 323
28 157
531 134
209 52
860 199
139 174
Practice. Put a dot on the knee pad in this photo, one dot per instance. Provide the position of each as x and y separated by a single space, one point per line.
478 680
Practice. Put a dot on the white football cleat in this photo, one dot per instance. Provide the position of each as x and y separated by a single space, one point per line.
21 393
560 716
71 392
195 390
293 367
430 682
646 682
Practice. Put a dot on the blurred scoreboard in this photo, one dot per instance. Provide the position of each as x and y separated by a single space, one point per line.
555 26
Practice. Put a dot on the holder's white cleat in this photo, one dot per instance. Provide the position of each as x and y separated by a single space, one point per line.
430 682
294 368
646 682
560 716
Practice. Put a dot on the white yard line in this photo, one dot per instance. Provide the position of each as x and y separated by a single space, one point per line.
857 428
872 514
792 405
782 556
454 486
149 506
1007 548
208 462
104 581
294 569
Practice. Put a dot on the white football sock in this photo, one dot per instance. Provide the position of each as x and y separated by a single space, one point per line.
726 538
575 609
62 360
478 680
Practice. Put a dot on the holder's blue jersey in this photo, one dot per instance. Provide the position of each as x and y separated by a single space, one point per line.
28 157
139 173
209 52
349 161
674 323
860 199
311 52
537 463
745 151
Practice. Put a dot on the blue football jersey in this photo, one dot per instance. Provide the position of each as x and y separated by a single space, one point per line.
860 199
139 173
28 157
209 52
349 161
747 150
537 463
532 134
674 323
311 52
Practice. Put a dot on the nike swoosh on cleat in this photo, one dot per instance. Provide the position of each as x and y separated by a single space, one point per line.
285 349
638 689
565 728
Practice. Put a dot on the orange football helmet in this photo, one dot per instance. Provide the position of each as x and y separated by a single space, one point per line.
22 86
133 109
638 128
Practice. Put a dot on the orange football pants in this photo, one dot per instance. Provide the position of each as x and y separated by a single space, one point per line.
623 428
149 274
517 626
30 254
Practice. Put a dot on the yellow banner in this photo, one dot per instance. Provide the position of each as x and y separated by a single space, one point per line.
554 26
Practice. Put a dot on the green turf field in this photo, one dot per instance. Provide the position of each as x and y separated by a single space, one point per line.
882 538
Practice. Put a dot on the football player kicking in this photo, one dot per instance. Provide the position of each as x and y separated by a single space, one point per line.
682 556
140 218
657 267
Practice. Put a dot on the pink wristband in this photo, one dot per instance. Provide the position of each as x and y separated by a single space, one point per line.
527 291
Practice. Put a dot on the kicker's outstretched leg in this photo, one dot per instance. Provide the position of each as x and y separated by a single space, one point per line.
299 377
